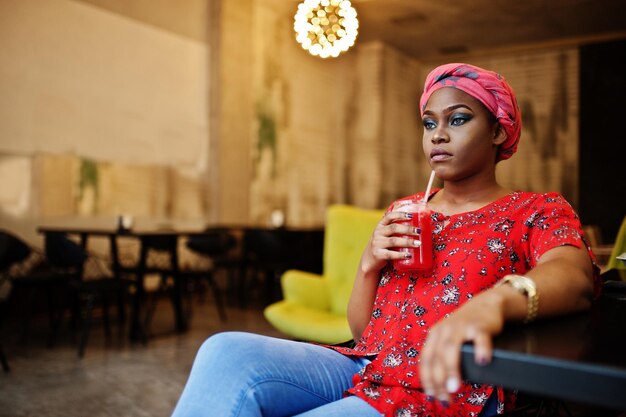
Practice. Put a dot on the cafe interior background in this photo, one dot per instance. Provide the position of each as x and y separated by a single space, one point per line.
210 112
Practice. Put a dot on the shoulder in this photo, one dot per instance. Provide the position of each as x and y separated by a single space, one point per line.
545 211
538 208
540 200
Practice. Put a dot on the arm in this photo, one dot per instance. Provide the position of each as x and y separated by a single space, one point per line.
378 252
564 281
362 297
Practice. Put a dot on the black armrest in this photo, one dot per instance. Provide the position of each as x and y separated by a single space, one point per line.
614 287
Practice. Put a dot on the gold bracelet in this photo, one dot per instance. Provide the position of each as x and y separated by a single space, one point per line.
526 286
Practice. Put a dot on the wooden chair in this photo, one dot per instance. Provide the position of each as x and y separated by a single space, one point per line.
214 244
32 278
89 283
12 251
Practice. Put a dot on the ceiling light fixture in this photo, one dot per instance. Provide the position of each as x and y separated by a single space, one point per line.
326 28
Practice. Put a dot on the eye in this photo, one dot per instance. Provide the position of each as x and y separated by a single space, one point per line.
429 124
460 119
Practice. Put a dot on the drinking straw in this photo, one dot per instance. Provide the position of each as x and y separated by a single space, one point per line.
430 184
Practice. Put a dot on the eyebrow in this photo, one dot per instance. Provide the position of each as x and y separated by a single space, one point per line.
451 108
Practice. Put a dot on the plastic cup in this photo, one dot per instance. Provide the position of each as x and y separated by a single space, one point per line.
421 256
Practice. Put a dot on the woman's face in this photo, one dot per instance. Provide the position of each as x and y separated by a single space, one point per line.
461 138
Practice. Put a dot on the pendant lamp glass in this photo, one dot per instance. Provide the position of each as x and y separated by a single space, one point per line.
326 28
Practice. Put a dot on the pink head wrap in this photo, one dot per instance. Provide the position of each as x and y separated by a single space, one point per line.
487 87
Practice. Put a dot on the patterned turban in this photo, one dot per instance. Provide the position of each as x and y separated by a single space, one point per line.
486 86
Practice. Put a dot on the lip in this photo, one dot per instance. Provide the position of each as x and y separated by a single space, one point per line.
439 154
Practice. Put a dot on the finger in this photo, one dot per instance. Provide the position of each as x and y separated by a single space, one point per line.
389 254
426 364
395 216
438 379
483 348
446 364
451 357
396 229
409 241
400 242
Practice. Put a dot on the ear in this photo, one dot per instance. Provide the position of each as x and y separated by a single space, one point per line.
499 135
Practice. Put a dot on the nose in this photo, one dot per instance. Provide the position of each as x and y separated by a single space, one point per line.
439 136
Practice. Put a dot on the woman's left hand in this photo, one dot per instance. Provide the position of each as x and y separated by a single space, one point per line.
477 321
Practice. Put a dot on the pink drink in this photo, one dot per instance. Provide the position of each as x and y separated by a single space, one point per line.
422 256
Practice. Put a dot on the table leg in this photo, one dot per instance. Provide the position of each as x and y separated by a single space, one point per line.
117 273
181 322
137 332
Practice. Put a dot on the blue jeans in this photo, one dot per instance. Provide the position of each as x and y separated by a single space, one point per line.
247 375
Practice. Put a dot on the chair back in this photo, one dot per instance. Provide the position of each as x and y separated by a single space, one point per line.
212 242
12 250
62 252
264 245
348 231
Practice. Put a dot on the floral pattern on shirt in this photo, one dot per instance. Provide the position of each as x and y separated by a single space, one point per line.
472 251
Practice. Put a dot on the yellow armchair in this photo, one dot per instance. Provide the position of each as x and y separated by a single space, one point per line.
314 307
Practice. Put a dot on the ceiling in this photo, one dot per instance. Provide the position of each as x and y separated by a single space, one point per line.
423 28
430 28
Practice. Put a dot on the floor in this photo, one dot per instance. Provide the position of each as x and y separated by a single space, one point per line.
115 378
119 378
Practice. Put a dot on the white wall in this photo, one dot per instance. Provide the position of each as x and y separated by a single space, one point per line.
77 79
80 82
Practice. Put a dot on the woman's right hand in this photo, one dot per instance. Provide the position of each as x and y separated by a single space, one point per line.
393 231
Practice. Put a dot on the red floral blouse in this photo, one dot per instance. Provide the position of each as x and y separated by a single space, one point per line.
472 250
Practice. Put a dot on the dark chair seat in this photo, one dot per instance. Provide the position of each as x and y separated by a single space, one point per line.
267 253
71 258
214 244
158 256
89 292
13 251
42 282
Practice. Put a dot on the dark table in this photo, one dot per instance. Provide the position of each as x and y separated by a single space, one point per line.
581 358
164 240
275 248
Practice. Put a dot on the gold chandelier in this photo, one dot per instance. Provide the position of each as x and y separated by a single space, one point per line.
326 28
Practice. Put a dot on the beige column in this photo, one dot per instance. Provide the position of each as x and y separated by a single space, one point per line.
231 109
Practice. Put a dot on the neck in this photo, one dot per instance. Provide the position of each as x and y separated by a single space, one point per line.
467 195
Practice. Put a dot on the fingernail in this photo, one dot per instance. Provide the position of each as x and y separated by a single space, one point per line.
430 398
453 385
409 215
418 230
443 400
408 255
417 243
482 360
